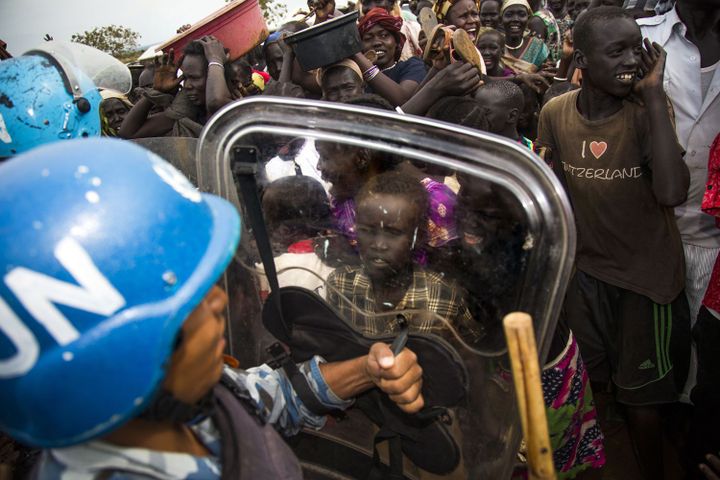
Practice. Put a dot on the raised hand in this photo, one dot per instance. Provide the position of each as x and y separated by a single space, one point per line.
213 49
458 78
166 79
281 43
652 67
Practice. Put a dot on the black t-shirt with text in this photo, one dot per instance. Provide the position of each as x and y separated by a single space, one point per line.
625 237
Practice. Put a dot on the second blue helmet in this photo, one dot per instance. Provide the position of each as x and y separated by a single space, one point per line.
44 99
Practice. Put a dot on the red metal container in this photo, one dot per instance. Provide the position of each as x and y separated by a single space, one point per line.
239 25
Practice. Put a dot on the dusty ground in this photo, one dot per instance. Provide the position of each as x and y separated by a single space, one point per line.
621 463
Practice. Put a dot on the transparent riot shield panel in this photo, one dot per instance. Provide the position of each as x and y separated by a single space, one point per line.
179 151
103 69
395 222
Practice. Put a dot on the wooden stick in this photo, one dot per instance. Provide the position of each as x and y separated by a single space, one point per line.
526 374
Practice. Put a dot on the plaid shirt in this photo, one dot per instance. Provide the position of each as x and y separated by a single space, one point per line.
429 304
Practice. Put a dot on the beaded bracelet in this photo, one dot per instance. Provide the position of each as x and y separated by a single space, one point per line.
371 73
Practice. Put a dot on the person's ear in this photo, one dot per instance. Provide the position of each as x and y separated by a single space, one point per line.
580 59
512 116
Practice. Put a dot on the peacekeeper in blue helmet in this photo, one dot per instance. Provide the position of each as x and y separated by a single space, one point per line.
51 93
112 328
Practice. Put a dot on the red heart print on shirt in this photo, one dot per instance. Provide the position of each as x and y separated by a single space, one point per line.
598 148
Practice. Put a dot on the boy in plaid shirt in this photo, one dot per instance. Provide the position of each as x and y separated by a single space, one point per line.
391 214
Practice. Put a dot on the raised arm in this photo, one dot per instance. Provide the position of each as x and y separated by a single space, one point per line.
217 93
455 79
670 175
305 79
137 124
286 70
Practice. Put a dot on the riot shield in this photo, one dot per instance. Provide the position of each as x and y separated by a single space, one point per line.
391 223
179 151
104 70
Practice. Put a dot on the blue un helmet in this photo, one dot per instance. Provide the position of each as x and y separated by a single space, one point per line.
105 250
51 93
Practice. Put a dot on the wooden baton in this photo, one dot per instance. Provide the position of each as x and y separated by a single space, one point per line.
526 375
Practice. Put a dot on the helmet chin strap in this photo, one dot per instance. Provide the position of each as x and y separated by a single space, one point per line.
164 407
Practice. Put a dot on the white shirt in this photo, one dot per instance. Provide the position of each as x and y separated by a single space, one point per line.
299 270
706 77
697 120
307 159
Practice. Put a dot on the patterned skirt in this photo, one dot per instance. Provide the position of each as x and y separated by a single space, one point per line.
575 435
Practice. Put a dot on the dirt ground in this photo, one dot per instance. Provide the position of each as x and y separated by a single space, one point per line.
621 463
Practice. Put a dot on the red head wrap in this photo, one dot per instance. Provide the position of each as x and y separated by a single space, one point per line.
380 16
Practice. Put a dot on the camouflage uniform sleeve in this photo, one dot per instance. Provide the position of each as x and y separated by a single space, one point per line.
277 402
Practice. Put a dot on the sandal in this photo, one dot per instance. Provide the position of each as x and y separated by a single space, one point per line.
438 45
427 20
465 50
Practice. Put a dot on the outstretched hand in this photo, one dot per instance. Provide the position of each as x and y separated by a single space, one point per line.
652 67
166 78
458 78
399 376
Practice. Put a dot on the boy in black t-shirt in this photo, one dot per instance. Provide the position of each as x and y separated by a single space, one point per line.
620 162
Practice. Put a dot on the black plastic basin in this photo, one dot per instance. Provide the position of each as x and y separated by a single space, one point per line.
326 43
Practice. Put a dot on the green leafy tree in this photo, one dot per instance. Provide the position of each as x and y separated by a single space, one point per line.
273 11
113 39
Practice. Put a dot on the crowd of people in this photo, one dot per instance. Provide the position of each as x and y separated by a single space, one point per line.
618 98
